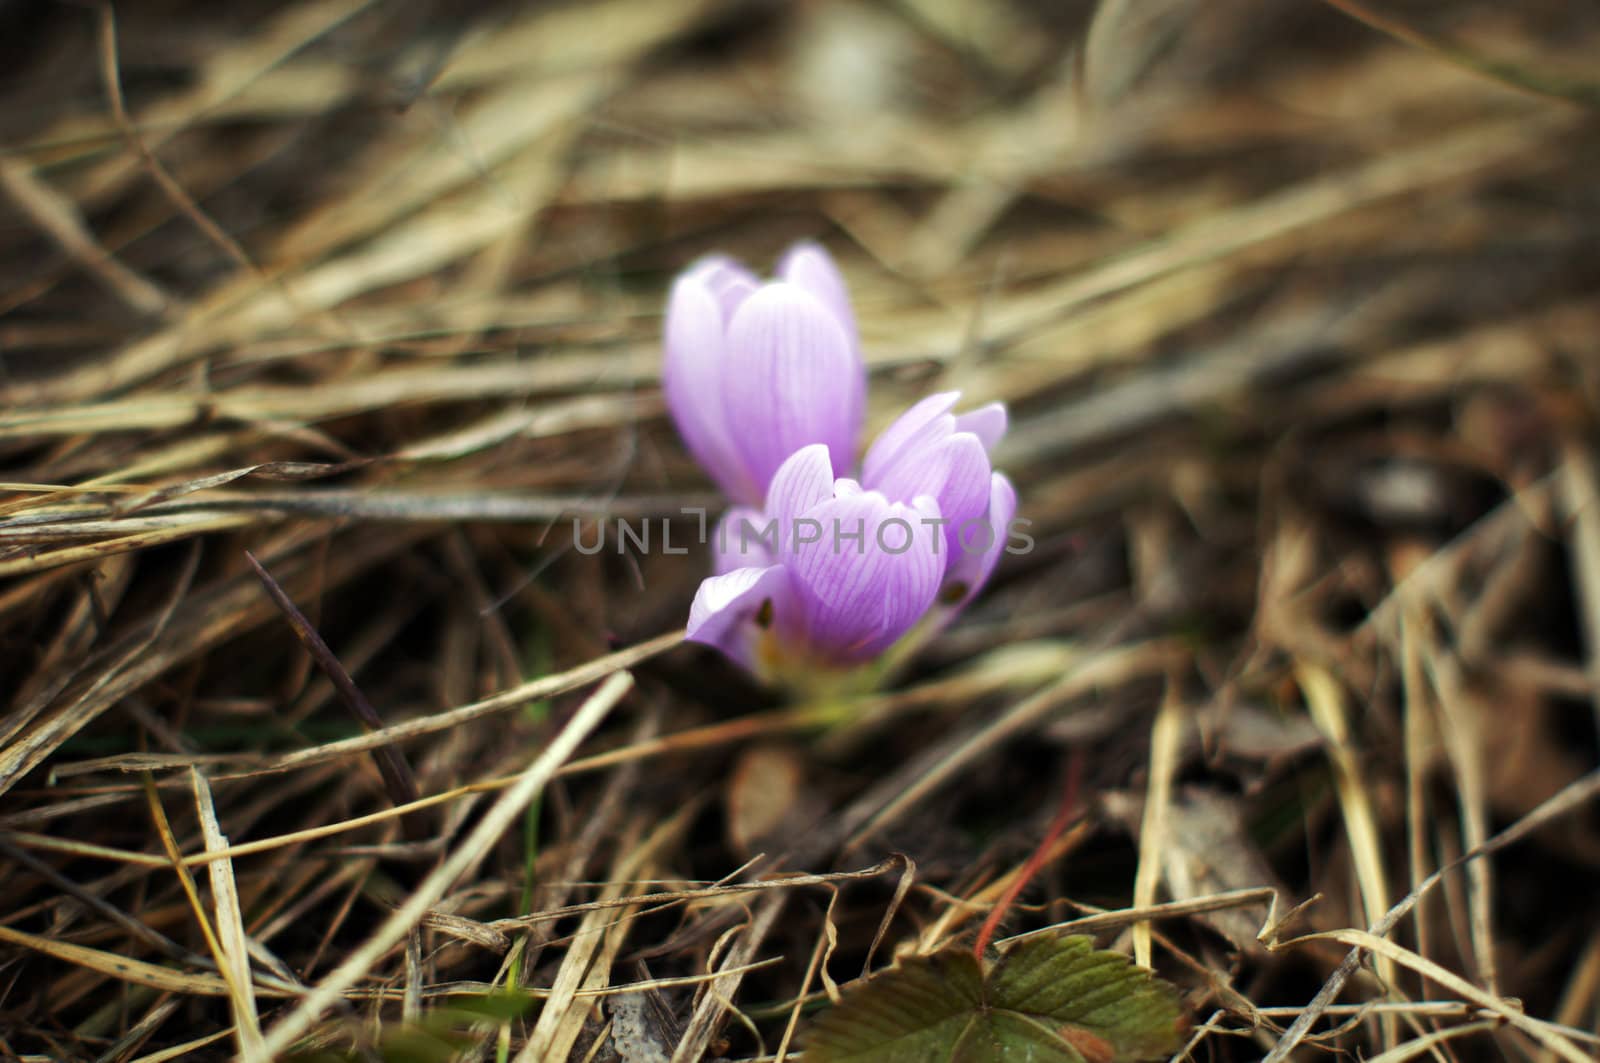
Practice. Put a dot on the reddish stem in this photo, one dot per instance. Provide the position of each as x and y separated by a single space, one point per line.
1058 826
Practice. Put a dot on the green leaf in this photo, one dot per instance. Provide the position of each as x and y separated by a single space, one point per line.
1045 1000
438 1036
416 1044
504 1005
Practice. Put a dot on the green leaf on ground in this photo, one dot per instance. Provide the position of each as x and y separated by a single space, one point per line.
442 1034
1044 1000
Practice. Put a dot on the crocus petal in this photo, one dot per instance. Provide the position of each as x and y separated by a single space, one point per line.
860 595
691 378
810 267
788 381
922 471
726 612
911 588
923 423
802 482
964 498
729 282
732 294
954 470
740 540
988 423
971 569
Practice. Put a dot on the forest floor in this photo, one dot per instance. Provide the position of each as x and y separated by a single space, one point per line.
1294 310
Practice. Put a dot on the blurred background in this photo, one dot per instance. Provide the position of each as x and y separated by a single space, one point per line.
1294 309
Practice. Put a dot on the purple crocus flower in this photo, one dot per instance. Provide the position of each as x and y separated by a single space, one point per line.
833 571
754 372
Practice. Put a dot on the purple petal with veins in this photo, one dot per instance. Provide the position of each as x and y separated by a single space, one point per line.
727 609
809 266
913 429
964 497
803 482
729 282
788 380
972 568
859 595
740 541
988 423
696 353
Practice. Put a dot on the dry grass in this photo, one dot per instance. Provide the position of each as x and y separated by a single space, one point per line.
1293 305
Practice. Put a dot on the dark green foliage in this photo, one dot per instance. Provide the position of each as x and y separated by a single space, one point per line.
1045 1000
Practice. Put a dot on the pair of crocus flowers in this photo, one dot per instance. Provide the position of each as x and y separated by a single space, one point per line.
816 571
